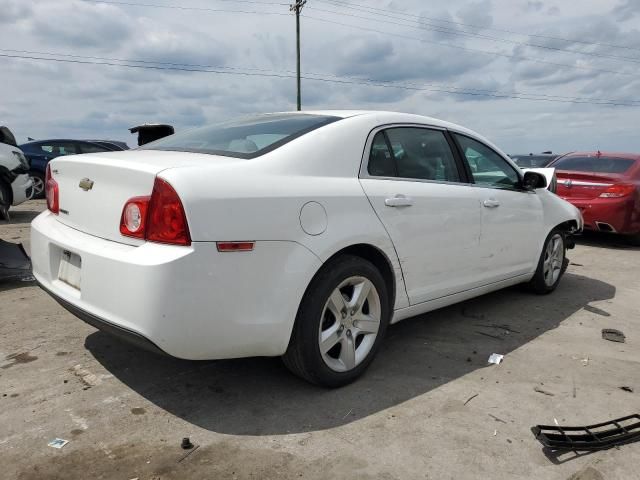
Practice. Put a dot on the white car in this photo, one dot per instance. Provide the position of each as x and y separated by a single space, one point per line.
15 184
296 234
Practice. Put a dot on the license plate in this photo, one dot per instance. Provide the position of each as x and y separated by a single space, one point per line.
69 271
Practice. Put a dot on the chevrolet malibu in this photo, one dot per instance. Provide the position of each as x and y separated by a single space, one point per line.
301 235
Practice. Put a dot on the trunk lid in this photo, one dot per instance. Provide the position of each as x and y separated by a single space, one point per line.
95 187
583 186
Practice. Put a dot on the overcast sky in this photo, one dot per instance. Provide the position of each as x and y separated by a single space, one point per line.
427 46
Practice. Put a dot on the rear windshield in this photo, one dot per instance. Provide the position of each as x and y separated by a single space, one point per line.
594 164
246 138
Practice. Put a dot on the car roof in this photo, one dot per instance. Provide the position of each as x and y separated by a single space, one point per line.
59 140
382 115
46 140
542 155
630 156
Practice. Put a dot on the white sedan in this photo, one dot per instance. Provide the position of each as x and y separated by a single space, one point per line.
295 234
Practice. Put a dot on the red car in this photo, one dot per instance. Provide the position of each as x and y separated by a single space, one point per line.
605 187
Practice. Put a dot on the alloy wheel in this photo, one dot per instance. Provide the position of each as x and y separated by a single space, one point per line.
349 324
553 259
38 186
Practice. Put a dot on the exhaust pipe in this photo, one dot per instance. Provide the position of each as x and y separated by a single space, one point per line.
605 227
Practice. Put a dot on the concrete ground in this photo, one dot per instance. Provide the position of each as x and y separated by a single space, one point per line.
429 407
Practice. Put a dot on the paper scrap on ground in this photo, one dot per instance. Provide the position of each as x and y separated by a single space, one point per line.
496 358
58 443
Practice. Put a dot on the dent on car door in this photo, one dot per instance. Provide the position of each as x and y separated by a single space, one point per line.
512 218
414 184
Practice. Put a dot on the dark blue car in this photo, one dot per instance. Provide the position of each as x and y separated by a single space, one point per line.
41 151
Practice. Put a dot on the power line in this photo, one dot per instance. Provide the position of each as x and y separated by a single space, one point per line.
199 9
469 49
448 31
193 66
151 62
575 100
355 6
460 47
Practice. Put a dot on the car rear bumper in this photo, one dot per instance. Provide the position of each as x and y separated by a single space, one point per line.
189 302
618 215
101 324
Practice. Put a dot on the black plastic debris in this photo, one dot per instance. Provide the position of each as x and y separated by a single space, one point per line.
14 262
149 132
613 335
627 389
186 443
591 437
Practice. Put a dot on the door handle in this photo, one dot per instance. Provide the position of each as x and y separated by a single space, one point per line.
398 200
491 203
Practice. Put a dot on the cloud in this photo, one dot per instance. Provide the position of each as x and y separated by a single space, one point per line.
13 11
477 13
155 44
375 58
627 9
618 88
45 99
80 24
534 5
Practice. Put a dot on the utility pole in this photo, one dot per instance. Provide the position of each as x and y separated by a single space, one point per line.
296 7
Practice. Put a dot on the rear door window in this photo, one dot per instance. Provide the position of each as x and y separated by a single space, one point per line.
413 152
381 161
58 149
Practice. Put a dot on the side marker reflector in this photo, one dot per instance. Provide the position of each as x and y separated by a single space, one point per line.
235 246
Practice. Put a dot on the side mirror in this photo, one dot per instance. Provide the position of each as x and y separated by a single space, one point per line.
533 180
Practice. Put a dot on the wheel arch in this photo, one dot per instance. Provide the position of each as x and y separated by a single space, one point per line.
568 226
378 258
6 180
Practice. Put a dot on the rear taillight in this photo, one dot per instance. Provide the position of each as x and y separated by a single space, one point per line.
159 218
52 192
618 190
134 217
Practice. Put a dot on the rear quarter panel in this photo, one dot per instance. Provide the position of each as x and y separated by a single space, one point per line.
262 199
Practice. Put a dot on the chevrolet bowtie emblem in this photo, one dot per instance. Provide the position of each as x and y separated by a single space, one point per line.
86 184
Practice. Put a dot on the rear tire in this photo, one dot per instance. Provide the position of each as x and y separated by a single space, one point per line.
551 265
340 323
634 239
5 201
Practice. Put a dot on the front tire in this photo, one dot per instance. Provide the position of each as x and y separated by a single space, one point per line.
38 184
5 201
340 323
551 265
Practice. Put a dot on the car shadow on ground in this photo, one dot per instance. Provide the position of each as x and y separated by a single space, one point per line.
258 396
26 280
18 217
605 240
